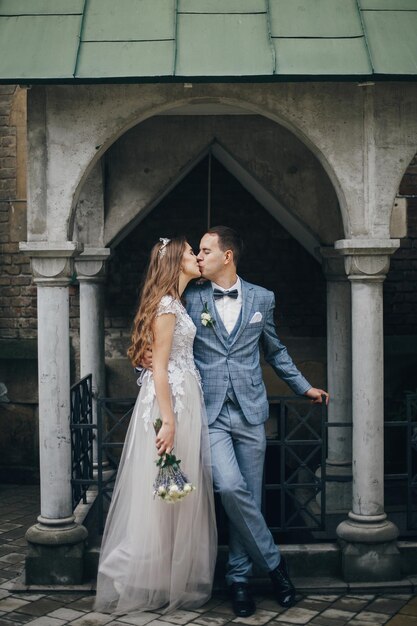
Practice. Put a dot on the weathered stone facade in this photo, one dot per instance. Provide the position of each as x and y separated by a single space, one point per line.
83 203
274 259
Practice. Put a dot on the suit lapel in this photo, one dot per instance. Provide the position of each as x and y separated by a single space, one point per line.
206 295
248 295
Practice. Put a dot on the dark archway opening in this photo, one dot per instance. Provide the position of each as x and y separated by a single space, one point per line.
273 258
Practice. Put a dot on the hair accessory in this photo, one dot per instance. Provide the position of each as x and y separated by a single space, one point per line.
165 241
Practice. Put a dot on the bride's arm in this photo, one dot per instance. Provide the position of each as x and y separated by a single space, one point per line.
163 334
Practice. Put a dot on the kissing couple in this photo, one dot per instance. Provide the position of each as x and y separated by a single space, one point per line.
199 347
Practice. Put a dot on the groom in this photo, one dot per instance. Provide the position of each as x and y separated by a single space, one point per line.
233 318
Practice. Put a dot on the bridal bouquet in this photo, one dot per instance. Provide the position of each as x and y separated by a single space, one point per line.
170 483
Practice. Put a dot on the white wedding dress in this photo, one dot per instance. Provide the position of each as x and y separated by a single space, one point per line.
155 554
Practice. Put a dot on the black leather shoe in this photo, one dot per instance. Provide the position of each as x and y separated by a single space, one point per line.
283 587
242 601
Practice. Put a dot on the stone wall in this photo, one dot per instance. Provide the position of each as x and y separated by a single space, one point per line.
298 315
18 295
18 355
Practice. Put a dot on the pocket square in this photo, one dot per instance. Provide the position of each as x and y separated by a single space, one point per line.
257 317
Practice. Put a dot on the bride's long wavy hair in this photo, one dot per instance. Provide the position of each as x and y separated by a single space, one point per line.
161 279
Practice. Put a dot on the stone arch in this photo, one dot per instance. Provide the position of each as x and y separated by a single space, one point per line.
268 161
241 103
277 209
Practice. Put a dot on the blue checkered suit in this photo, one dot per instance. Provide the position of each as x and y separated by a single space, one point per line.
237 407
237 362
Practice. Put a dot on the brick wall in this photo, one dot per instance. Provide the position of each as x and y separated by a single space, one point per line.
17 294
18 357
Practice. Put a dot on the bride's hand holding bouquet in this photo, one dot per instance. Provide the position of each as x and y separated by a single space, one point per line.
165 435
170 483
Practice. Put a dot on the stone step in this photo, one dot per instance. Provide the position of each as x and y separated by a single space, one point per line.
315 568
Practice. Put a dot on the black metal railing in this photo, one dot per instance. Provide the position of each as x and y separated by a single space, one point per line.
113 418
294 497
295 451
411 415
82 435
401 456
294 494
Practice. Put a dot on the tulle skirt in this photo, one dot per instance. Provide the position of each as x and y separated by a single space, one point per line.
155 554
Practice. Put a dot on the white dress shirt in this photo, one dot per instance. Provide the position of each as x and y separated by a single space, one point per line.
229 308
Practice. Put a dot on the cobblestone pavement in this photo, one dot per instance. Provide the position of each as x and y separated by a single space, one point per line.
19 508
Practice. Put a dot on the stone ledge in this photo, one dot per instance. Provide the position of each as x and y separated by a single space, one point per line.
366 246
50 248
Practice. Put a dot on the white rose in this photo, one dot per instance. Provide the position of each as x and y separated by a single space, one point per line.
173 489
187 488
161 490
204 322
205 316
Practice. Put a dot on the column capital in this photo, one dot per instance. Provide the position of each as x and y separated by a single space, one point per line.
52 262
90 265
367 259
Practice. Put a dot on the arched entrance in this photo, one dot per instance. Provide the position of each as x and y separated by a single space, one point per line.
136 194
241 170
100 221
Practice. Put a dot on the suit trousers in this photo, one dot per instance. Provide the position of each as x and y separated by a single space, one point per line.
238 456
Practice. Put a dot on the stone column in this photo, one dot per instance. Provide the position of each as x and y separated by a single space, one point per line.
368 538
339 381
56 542
90 268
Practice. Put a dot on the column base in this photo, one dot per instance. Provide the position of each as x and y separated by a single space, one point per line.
55 554
369 550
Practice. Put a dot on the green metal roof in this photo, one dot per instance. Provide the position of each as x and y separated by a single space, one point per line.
94 40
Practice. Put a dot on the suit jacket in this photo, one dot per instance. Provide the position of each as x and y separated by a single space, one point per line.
237 361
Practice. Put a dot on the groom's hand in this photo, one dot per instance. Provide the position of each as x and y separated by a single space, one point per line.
146 362
316 395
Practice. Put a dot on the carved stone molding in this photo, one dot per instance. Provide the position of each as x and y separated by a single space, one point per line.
367 259
367 267
52 262
91 264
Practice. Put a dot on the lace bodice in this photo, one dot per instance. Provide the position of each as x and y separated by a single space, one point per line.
181 359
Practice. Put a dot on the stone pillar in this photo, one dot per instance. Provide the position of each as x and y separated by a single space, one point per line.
90 268
56 542
339 381
368 538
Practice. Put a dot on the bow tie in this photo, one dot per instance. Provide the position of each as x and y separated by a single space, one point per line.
218 293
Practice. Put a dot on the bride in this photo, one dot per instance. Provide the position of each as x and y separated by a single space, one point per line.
154 554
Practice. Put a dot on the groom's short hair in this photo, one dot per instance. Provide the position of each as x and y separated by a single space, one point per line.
228 240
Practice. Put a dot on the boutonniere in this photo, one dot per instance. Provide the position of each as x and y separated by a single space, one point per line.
206 318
